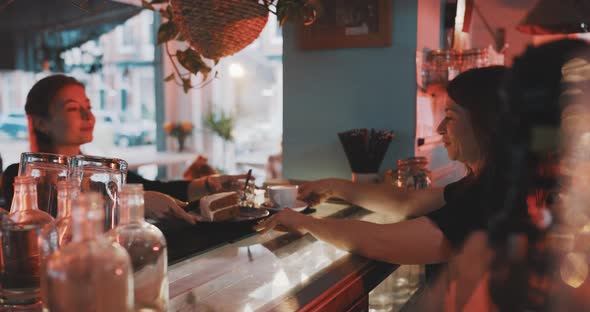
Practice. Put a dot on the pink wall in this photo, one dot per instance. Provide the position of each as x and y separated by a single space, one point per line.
501 13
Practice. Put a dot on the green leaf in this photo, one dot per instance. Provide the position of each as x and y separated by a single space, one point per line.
147 5
186 84
191 60
167 32
169 77
220 124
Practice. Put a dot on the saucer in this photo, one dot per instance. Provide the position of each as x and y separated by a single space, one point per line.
299 206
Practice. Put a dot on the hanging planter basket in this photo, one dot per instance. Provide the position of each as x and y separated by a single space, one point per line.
219 28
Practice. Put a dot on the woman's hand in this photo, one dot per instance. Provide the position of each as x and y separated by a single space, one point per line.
160 206
214 183
220 182
316 192
285 220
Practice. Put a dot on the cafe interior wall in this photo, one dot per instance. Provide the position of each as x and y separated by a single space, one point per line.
329 91
506 14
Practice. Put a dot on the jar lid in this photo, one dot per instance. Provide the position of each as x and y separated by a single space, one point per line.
96 161
45 158
419 160
441 54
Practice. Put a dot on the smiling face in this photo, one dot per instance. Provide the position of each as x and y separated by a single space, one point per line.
458 135
70 121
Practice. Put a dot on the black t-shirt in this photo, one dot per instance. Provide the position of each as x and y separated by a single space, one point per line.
177 189
464 211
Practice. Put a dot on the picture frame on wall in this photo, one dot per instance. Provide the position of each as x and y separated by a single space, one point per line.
349 24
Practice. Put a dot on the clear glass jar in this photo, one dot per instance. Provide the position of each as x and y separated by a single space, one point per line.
440 66
147 248
474 58
48 170
103 175
412 173
20 254
91 271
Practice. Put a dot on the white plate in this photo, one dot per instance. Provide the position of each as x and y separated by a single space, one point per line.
299 206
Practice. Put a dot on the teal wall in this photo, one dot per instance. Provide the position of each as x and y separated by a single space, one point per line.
330 91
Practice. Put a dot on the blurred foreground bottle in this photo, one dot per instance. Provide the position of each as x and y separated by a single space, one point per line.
91 272
146 246
21 254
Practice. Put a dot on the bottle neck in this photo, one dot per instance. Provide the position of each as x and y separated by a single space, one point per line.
131 207
25 197
86 230
64 204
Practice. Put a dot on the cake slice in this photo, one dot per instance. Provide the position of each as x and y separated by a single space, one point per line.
220 206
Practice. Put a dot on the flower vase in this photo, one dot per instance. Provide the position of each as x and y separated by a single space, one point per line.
181 140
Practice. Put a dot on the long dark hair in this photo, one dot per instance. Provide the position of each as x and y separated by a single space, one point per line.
39 100
528 156
477 90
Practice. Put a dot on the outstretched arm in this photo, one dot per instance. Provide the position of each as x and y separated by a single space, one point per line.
376 197
416 241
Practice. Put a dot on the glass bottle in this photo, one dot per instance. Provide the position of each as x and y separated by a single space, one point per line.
412 173
67 191
21 254
91 271
57 237
146 246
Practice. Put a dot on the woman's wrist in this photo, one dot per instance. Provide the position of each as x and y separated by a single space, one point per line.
337 187
197 188
208 185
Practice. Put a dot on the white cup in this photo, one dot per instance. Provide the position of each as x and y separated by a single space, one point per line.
283 195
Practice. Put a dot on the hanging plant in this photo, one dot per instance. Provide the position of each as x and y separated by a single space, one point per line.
213 29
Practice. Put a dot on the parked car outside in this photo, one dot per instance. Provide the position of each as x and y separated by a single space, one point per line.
14 125
125 132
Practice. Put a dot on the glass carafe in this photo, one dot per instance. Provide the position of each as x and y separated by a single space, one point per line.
92 272
47 169
20 255
146 246
412 173
104 176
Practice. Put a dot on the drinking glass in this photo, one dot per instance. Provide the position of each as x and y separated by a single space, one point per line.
102 175
47 169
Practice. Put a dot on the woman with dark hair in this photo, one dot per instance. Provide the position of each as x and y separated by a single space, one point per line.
445 215
533 254
61 120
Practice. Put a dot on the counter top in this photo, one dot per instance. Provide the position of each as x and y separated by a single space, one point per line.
276 272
